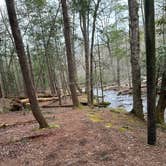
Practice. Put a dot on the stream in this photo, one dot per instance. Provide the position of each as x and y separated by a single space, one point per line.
123 101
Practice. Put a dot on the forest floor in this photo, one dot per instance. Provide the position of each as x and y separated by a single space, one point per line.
92 137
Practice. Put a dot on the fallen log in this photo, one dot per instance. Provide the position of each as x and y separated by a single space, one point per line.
19 105
56 106
40 95
25 101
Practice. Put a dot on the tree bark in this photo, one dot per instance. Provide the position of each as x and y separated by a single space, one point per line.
118 72
101 73
1 95
160 110
68 43
111 58
161 103
151 69
23 63
3 79
135 58
91 51
85 33
74 57
30 65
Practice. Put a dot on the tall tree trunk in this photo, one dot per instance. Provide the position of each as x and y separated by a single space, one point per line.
50 74
1 95
91 50
135 58
46 44
67 35
162 98
23 63
142 12
118 72
101 73
85 33
111 58
30 65
96 81
3 79
74 56
128 73
151 69
160 110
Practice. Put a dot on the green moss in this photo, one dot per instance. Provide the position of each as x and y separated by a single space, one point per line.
122 129
131 120
108 125
51 126
95 117
54 126
102 104
118 110
81 107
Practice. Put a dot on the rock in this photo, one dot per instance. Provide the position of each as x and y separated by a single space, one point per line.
16 105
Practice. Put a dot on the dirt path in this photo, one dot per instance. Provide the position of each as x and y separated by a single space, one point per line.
78 137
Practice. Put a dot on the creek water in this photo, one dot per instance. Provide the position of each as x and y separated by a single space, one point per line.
123 101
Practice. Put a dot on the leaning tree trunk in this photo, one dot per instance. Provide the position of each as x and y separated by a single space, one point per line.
151 69
23 63
135 58
67 35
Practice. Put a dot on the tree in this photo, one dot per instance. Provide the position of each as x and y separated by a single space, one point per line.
91 49
24 64
135 58
151 67
68 43
161 105
1 95
83 7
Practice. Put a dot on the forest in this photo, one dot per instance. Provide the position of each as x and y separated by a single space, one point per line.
82 82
